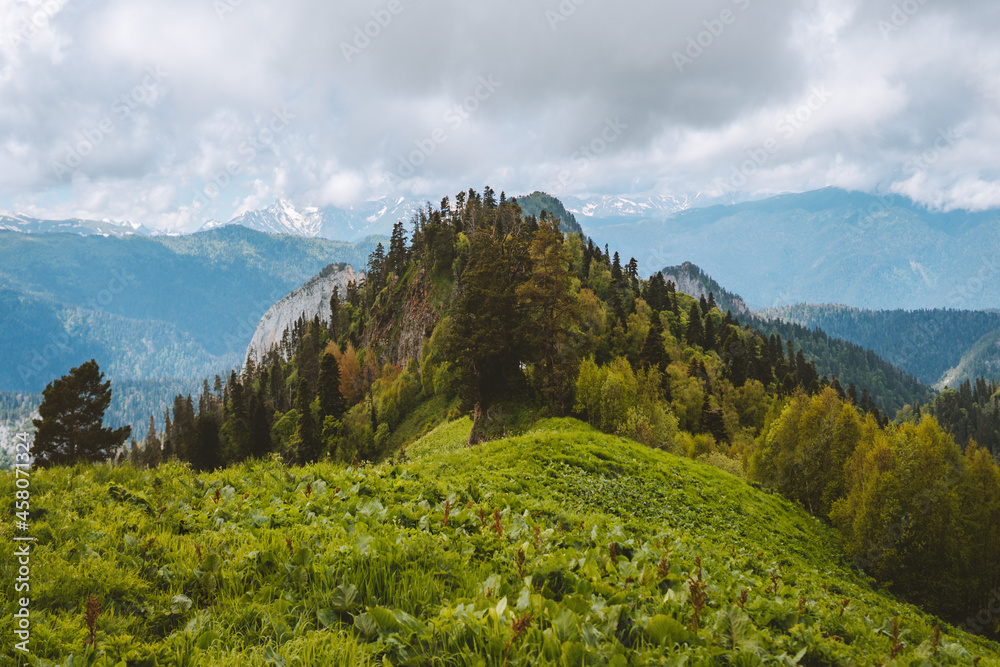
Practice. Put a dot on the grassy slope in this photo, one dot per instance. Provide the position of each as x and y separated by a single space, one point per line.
363 567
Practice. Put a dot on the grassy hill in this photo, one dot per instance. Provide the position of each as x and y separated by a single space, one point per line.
559 546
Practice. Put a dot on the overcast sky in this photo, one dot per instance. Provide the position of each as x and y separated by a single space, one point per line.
169 112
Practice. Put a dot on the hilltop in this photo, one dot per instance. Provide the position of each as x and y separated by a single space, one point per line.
559 546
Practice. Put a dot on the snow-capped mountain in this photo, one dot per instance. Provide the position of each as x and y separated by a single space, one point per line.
281 217
618 206
351 223
26 225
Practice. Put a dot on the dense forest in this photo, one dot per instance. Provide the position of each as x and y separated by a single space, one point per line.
890 387
970 413
925 343
484 311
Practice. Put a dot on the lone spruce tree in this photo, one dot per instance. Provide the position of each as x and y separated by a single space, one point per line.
70 428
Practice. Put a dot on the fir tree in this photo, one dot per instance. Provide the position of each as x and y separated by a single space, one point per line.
695 330
70 429
306 442
154 454
331 401
653 354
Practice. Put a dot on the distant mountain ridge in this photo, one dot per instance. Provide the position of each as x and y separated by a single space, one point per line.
891 387
27 225
155 312
828 246
941 347
624 206
350 223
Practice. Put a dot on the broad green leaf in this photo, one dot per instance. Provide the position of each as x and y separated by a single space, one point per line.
327 617
180 604
207 639
345 597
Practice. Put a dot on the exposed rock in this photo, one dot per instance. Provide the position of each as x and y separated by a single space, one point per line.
310 300
691 280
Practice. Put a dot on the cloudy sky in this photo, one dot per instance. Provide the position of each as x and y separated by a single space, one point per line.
170 112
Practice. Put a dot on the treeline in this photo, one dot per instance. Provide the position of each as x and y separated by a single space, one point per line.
970 414
890 387
520 309
925 343
914 510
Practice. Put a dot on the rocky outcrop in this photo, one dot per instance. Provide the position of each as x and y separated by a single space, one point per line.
691 280
310 300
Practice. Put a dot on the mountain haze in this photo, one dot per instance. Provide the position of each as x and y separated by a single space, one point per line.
827 246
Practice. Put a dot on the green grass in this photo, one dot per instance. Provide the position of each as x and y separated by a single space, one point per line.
594 561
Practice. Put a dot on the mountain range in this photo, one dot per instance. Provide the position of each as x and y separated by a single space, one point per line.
157 313
827 246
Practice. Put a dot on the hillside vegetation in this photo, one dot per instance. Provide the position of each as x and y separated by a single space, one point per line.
502 320
852 358
154 312
561 546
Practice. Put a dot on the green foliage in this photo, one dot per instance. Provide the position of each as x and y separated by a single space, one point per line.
538 202
971 413
587 552
618 400
70 427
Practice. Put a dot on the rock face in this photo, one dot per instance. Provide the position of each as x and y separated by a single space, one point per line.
691 280
310 300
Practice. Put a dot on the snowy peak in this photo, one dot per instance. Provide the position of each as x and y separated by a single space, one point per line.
15 222
618 206
281 217
349 223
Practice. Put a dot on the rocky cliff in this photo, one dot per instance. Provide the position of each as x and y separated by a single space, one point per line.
309 300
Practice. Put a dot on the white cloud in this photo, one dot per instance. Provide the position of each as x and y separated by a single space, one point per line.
357 118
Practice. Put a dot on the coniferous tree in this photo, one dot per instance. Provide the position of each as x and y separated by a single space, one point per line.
695 330
397 258
260 429
168 444
70 428
331 402
306 444
709 333
487 340
551 312
206 451
235 431
154 454
653 354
